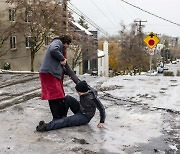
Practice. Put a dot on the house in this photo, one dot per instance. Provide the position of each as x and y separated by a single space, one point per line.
103 60
88 63
18 44
16 47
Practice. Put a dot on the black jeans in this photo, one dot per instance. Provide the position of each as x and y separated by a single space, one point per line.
58 108
75 120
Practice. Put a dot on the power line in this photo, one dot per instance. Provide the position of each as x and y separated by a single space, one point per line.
126 11
151 13
107 5
79 13
103 13
87 19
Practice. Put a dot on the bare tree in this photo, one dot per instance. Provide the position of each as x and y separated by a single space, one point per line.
84 48
39 19
176 52
132 49
6 30
82 22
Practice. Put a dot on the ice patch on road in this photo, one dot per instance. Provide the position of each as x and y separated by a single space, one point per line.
156 91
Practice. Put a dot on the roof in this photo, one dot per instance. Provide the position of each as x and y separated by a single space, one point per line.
82 28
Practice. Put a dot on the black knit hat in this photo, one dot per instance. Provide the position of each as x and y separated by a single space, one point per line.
82 86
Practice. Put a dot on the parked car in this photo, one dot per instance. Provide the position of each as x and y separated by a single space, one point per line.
165 68
160 69
94 73
174 62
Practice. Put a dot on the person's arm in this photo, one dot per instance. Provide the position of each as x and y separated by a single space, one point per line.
71 73
93 90
101 109
56 51
63 62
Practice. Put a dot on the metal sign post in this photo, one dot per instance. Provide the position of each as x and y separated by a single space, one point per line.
151 53
150 64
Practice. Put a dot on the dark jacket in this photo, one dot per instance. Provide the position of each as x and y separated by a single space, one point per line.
88 102
53 56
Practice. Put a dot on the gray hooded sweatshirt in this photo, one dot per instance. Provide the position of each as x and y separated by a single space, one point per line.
53 56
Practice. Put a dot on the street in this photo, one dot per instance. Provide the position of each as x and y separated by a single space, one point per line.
142 116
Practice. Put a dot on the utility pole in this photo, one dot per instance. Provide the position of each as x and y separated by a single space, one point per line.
140 36
140 24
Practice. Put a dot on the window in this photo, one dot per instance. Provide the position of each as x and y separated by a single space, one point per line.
30 41
13 42
12 14
28 16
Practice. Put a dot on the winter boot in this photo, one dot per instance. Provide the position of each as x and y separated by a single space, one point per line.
41 127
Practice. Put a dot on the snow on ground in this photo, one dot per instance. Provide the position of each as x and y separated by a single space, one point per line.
134 126
156 91
142 116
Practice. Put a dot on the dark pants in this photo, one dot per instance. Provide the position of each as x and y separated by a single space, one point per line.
57 108
75 120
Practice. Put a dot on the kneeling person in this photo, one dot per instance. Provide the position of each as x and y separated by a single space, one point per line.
83 111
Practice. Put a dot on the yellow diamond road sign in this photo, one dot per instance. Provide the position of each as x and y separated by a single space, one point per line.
151 40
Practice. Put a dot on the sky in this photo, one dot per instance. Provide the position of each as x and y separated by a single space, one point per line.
109 14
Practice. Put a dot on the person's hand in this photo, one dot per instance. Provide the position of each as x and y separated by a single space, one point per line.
63 62
100 125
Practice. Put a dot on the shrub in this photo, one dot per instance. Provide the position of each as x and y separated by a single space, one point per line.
168 73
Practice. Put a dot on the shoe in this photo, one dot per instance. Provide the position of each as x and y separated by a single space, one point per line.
41 127
41 123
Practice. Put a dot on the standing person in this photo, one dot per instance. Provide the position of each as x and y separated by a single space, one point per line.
83 111
51 75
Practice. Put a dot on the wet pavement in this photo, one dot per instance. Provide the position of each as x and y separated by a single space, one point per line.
130 127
